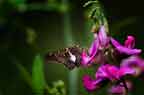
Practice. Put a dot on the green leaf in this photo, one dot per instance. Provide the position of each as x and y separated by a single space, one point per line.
38 80
24 74
90 2
96 13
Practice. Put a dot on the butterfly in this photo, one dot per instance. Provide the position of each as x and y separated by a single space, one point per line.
70 57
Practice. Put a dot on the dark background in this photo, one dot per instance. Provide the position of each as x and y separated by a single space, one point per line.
124 17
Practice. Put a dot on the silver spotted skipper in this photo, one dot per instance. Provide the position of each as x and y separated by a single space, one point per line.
70 57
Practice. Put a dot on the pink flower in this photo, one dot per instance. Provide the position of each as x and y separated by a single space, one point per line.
107 71
127 48
103 38
112 72
104 74
88 83
120 89
134 62
87 58
99 42
130 42
91 84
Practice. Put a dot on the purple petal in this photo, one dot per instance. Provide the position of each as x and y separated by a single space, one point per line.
84 58
107 71
130 42
117 89
115 42
92 53
112 72
123 49
126 71
133 61
90 84
103 38
129 51
120 89
94 47
101 73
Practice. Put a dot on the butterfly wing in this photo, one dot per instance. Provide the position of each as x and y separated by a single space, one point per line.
63 56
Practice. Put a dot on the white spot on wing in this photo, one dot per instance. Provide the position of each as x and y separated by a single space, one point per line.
72 57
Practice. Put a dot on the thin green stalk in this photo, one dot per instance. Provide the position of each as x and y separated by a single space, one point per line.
69 40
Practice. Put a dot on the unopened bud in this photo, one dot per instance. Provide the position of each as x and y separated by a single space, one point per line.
94 29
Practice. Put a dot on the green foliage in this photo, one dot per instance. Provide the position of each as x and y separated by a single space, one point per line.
58 88
50 5
96 13
31 36
19 4
38 80
24 74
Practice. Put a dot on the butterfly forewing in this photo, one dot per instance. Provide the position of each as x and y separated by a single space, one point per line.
62 56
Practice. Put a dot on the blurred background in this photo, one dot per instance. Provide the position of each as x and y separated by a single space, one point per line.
30 28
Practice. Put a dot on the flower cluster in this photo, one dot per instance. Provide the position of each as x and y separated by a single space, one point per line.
115 62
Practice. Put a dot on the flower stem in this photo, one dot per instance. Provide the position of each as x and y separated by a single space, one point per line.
69 40
125 85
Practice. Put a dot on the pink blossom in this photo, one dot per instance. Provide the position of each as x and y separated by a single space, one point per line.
130 42
100 41
134 62
112 72
90 84
120 89
127 48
